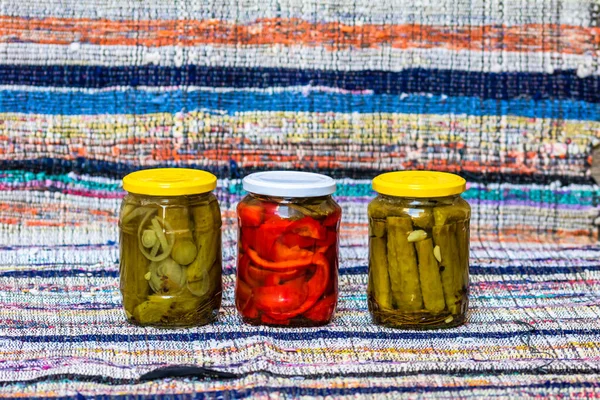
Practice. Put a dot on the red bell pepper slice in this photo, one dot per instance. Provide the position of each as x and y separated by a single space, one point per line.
278 266
283 253
280 298
323 310
316 287
292 239
333 218
269 278
243 271
250 214
248 237
250 310
308 227
330 239
243 292
270 209
243 300
267 234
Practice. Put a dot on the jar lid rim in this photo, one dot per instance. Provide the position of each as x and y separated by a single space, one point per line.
419 184
169 182
289 184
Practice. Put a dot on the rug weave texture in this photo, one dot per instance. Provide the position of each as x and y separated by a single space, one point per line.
504 92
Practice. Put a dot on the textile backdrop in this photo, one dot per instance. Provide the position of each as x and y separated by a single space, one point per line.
503 92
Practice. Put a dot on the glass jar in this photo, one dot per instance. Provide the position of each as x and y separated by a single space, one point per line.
170 246
287 272
418 250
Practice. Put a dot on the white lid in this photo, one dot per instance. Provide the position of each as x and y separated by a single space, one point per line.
289 184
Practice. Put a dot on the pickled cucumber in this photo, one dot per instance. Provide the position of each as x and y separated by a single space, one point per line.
451 268
182 225
377 228
449 214
429 274
208 243
422 218
154 310
403 269
379 279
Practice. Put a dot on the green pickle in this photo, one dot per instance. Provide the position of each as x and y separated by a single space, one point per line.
402 264
379 278
418 261
429 275
170 259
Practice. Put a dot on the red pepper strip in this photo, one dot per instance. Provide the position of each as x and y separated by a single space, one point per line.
243 272
315 287
283 253
292 239
267 234
250 215
243 292
250 310
280 298
248 237
278 266
273 278
333 218
329 240
323 310
270 210
308 227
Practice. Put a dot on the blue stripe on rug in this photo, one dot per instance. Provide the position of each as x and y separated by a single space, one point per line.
144 102
509 85
307 335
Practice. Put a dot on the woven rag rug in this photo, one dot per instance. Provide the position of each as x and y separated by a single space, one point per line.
503 92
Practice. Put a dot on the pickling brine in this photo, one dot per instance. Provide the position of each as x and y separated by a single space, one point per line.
170 246
418 250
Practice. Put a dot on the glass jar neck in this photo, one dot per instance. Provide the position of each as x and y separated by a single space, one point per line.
169 200
277 199
421 201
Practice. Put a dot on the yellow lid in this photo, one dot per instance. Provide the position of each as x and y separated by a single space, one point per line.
419 184
169 182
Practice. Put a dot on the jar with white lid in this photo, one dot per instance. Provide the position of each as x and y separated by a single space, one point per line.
287 272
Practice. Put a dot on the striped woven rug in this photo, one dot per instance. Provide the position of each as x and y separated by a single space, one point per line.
503 92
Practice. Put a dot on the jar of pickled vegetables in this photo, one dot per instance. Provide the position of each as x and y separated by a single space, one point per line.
170 246
288 249
419 250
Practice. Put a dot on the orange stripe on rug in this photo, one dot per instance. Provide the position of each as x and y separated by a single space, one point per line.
566 39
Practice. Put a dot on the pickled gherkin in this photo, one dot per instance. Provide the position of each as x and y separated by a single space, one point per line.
429 275
445 237
170 250
422 218
379 277
419 251
402 264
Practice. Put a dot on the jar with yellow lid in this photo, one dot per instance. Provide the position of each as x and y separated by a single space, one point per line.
418 250
170 248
